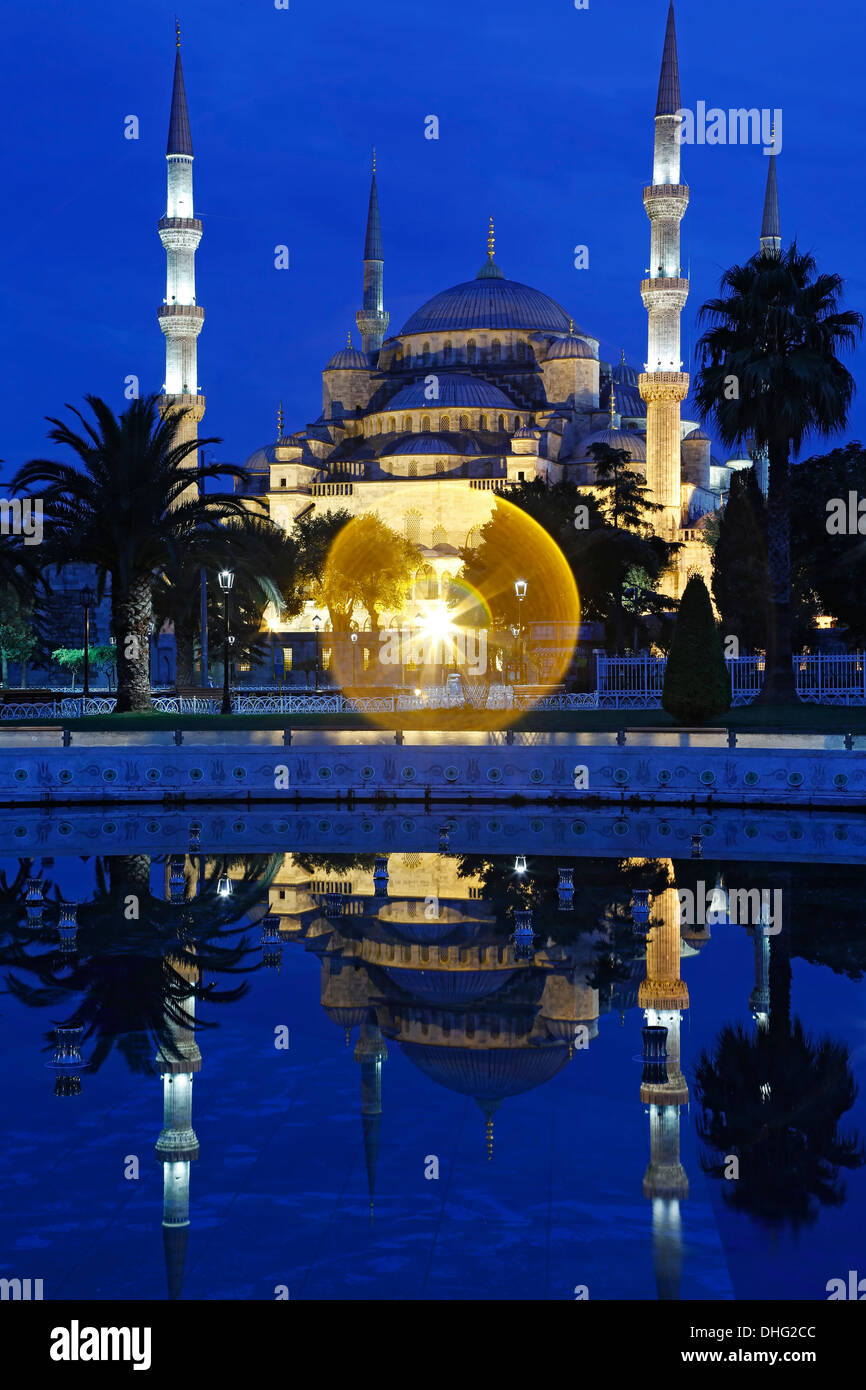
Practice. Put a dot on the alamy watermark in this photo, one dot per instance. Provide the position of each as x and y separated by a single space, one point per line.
460 647
22 517
738 126
739 907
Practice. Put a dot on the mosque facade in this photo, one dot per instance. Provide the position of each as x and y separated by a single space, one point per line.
487 384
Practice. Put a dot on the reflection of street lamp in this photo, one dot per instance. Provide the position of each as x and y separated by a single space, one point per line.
353 638
520 587
227 579
86 600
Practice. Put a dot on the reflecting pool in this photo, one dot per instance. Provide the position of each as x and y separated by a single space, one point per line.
432 1057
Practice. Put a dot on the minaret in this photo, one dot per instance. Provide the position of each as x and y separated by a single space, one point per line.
372 319
771 228
180 318
177 1062
664 385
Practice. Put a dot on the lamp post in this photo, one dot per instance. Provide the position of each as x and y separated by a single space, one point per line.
204 679
353 638
87 597
317 622
227 579
520 587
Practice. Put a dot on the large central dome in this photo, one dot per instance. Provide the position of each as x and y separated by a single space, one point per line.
489 301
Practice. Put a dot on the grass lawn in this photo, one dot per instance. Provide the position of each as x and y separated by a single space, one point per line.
800 718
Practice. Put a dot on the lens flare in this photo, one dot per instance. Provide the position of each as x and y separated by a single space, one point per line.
478 634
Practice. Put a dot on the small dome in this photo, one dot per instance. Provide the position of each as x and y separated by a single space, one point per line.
569 347
454 389
261 459
696 434
423 444
635 444
526 432
348 359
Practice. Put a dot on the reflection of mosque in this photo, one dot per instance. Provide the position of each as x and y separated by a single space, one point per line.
412 954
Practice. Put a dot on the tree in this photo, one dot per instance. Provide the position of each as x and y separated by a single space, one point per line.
383 567
740 573
127 506
315 534
697 683
100 658
769 373
18 638
829 562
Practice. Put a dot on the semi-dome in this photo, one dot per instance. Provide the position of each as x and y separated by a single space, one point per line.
348 359
423 444
454 389
457 986
635 444
569 347
489 301
261 459
696 434
487 1074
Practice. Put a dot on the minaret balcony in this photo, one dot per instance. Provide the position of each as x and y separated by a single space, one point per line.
665 294
180 233
665 200
665 387
181 320
181 311
187 224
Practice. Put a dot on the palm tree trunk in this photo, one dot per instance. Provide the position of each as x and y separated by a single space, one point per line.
131 617
780 687
184 642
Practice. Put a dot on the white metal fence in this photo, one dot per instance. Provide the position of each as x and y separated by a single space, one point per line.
823 678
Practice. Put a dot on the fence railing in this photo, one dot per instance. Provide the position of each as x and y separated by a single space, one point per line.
824 678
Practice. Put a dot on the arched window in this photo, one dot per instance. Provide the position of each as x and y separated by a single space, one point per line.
412 527
447 352
440 536
425 351
464 422
471 351
407 423
502 422
482 422
426 583
392 424
522 351
444 422
495 350
425 422
440 467
413 468
473 540
517 422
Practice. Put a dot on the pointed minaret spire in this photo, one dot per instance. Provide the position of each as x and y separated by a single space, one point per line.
180 317
280 421
179 138
612 405
771 227
663 384
372 319
668 102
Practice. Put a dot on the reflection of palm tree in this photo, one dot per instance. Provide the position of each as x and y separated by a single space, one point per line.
774 1100
128 981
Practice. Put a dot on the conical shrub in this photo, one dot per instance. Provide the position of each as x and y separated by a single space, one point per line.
697 684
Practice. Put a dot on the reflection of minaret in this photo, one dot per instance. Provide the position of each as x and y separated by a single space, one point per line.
177 1061
663 1089
759 999
371 1051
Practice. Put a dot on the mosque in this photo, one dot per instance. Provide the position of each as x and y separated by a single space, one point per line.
488 383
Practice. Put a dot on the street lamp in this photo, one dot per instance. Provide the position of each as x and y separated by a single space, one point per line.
86 599
520 587
227 579
353 638
317 622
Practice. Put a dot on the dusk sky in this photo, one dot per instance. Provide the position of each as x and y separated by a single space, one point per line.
546 121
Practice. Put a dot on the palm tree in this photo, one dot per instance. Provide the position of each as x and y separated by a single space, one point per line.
769 374
775 1100
128 507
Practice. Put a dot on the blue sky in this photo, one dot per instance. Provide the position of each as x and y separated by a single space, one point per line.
545 121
